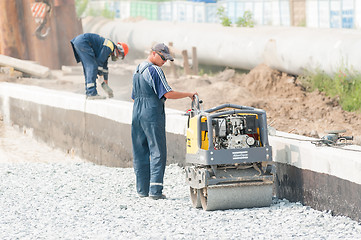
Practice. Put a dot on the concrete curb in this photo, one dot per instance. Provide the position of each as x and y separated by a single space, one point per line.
324 178
97 130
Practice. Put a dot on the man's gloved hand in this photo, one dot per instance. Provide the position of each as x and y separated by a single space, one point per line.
107 89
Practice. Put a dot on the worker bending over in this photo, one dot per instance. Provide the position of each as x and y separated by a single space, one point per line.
93 52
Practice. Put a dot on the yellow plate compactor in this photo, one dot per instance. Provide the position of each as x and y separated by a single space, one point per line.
229 160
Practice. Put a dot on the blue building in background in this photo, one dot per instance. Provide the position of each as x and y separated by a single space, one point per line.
303 13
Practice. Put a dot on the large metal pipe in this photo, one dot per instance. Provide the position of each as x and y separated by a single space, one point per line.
289 49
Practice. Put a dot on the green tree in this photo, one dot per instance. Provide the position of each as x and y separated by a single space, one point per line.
223 17
246 20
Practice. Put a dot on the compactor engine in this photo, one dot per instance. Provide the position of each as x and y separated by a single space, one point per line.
229 159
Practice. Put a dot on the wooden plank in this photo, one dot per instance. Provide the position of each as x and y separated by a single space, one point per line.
72 70
30 68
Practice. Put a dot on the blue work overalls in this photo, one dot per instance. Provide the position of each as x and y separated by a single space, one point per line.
92 51
148 137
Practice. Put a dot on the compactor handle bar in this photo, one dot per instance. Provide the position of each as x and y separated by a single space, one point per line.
196 104
228 105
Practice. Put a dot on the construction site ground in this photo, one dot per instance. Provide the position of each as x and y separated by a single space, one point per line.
289 107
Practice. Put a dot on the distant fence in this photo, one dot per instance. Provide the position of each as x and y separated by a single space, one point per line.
308 13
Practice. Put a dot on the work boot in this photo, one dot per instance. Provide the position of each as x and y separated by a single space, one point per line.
94 97
107 89
156 197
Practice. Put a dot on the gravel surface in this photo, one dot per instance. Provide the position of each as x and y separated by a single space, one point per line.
86 201
48 194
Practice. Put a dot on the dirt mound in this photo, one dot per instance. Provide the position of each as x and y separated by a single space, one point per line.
289 107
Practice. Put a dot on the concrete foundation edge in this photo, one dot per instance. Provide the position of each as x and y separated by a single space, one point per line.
320 191
83 132
97 139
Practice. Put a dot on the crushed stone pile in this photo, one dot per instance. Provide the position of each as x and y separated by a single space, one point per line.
88 201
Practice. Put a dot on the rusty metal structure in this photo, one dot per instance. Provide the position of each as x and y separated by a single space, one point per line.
39 30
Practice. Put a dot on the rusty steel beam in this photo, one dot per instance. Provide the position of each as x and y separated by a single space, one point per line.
43 51
11 43
19 37
54 49
67 27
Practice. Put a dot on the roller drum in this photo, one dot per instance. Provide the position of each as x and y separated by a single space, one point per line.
240 195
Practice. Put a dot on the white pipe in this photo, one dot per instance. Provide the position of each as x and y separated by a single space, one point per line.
288 49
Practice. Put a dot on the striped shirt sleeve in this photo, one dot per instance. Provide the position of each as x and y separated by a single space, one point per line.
159 82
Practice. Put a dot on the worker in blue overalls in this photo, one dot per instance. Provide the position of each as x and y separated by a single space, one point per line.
93 52
150 90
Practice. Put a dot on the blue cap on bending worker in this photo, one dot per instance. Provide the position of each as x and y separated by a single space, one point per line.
164 50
